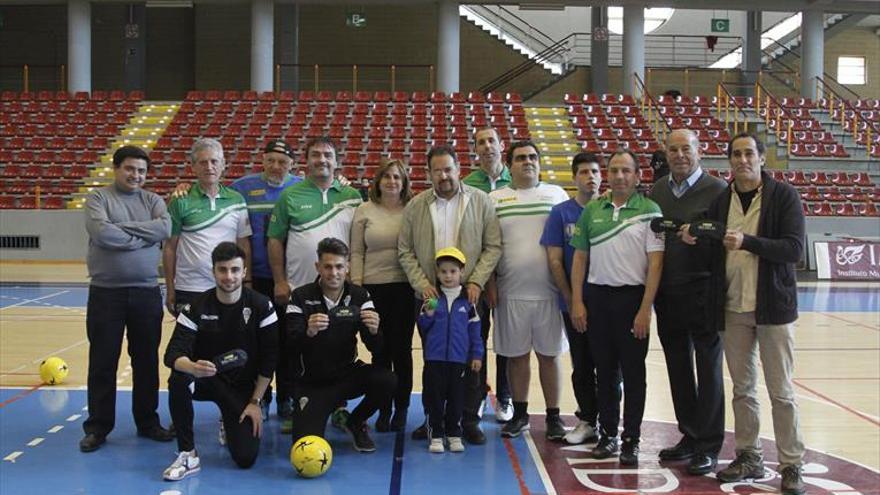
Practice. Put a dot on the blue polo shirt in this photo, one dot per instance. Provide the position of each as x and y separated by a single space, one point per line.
558 232
260 197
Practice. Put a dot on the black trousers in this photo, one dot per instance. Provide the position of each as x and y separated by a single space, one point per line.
397 310
109 313
240 440
476 384
583 373
444 395
694 364
314 403
616 352
287 364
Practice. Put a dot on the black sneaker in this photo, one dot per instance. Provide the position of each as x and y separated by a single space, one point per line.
383 422
157 433
421 433
679 452
360 436
515 426
473 434
91 442
629 452
747 465
792 481
555 428
607 447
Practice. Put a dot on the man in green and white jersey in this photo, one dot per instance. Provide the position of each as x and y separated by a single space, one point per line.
491 174
625 258
527 315
305 213
210 213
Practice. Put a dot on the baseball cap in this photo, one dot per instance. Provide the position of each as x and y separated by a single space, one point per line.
278 146
451 252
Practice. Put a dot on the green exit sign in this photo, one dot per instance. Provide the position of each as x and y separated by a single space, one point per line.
355 20
720 25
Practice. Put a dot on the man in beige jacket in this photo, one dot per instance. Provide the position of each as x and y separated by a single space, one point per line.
451 214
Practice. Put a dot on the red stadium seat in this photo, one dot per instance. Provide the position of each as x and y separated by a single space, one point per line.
869 210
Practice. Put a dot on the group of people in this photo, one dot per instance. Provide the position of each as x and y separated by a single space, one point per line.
279 275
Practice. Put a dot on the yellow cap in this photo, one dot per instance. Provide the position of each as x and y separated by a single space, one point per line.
451 252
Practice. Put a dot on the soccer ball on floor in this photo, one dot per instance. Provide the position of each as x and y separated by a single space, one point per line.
311 456
53 370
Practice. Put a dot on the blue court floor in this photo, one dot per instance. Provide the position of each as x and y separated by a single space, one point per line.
41 429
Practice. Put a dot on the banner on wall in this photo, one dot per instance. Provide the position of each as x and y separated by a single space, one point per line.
848 260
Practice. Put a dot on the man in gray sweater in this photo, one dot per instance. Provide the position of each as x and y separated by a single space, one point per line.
126 226
697 395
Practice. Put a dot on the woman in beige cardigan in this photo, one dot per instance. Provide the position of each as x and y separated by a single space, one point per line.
375 265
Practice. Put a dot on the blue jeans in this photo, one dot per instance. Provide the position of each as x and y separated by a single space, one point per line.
110 311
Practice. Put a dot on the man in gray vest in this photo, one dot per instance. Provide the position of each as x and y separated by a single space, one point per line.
126 226
698 398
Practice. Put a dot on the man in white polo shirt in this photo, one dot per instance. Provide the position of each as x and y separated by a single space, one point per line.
210 213
625 263
527 316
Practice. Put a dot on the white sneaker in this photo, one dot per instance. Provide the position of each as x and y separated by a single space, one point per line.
221 435
187 463
581 433
455 444
436 446
504 411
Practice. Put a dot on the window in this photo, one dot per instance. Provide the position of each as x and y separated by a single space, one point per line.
851 70
654 18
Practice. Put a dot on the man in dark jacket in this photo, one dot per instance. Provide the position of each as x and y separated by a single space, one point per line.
755 301
692 348
226 341
323 321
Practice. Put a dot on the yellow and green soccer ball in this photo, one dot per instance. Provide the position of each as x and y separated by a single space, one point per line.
311 456
53 371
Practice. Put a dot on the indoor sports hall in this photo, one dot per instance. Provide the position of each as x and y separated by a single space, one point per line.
392 79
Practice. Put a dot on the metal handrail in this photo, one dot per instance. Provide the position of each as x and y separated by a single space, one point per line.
653 112
724 95
355 68
525 66
857 115
485 11
789 51
780 110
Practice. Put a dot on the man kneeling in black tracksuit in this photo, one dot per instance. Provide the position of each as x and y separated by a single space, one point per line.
226 341
323 319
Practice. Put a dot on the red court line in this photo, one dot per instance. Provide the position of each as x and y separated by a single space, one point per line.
514 459
517 469
838 404
20 395
876 329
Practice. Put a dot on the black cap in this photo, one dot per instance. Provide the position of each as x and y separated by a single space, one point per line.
665 224
278 146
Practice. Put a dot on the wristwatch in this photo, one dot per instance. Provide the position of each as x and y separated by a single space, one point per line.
255 402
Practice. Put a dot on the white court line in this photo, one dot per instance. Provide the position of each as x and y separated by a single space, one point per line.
35 442
26 301
74 417
59 351
13 456
539 464
41 358
55 429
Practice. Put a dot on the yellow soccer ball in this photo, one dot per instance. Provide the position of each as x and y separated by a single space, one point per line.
53 371
311 456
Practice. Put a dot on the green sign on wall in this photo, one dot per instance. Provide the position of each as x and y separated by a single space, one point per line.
720 25
355 20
